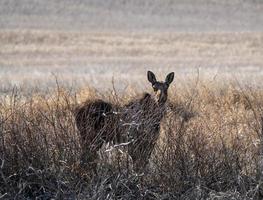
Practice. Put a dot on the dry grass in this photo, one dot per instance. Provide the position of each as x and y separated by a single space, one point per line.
29 58
39 48
214 155
210 145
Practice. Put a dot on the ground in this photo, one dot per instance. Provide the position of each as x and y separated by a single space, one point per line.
89 42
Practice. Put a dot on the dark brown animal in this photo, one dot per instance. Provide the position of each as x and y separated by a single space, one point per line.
97 125
138 122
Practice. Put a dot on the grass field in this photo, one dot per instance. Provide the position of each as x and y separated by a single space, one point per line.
30 58
56 55
45 75
214 155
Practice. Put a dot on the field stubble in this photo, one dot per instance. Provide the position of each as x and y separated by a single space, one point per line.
29 58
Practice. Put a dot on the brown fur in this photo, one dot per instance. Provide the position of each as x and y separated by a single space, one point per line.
96 124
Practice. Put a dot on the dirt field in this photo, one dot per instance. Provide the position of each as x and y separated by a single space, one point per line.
136 15
30 58
89 42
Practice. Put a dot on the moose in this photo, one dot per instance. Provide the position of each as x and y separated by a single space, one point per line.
137 123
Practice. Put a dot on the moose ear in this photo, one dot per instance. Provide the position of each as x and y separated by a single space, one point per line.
151 77
169 78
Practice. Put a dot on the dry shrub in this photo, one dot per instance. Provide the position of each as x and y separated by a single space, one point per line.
209 148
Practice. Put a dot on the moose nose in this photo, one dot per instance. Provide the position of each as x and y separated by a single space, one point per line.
161 97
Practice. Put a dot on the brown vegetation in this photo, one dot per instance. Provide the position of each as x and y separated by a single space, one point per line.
215 154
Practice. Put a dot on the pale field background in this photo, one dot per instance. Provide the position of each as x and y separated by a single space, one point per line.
95 43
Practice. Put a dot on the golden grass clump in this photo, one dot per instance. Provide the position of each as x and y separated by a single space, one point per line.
210 147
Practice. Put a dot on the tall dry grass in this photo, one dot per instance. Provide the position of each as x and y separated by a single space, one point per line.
210 147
